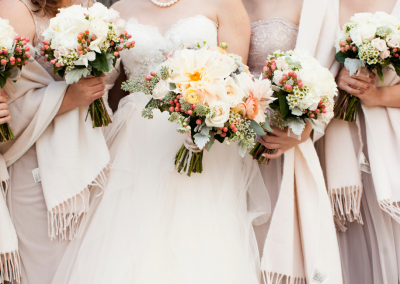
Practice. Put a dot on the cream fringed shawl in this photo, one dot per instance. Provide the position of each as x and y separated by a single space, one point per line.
72 158
301 245
345 160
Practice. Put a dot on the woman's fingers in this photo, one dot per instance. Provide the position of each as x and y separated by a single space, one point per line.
5 119
4 113
354 83
277 132
275 155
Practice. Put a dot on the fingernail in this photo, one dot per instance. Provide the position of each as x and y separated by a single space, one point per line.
361 92
263 155
372 81
368 87
258 138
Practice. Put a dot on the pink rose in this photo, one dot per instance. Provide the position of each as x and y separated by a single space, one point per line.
393 40
385 54
379 44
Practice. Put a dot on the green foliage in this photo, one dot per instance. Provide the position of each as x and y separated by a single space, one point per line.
101 62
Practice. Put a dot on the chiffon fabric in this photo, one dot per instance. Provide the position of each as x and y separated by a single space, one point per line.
154 225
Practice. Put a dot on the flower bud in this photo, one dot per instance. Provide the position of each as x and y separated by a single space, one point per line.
128 44
129 36
342 49
87 32
121 39
223 45
1 51
80 52
18 49
189 112
312 115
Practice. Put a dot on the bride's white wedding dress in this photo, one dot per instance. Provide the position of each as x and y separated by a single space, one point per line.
153 225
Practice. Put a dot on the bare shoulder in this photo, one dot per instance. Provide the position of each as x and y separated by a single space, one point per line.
228 4
22 21
127 8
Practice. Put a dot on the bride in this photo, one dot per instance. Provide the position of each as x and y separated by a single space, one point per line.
154 225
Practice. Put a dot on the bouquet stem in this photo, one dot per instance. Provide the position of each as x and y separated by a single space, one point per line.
188 161
98 113
346 108
6 133
257 152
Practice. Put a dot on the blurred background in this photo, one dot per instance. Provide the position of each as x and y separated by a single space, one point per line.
108 3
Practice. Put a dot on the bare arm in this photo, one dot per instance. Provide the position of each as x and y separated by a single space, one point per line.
234 27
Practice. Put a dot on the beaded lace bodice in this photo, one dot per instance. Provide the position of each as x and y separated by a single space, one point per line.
42 21
151 46
268 36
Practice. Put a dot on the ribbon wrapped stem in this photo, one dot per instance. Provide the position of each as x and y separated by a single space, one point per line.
257 152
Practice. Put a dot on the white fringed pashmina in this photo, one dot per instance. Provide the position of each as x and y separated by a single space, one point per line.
72 157
345 159
301 245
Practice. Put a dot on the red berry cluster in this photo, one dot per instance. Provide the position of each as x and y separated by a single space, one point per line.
20 56
348 45
176 107
320 109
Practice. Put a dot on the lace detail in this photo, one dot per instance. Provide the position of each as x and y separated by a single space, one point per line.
151 46
268 36
42 21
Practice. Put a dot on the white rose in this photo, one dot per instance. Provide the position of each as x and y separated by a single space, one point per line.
75 15
113 15
379 44
7 35
382 19
85 58
368 32
99 29
233 95
221 114
393 40
278 75
100 12
160 90
356 37
281 64
361 19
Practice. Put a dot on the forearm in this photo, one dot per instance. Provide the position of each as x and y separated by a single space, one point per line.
389 96
66 105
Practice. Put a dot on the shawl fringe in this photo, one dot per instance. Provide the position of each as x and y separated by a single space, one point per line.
66 223
10 267
278 278
346 205
392 208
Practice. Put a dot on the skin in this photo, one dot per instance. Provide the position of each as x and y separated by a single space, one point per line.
291 10
78 94
365 87
230 15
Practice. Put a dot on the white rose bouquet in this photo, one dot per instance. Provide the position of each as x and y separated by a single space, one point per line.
304 92
13 55
81 42
371 41
211 95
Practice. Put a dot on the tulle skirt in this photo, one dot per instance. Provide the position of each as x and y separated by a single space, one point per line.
154 225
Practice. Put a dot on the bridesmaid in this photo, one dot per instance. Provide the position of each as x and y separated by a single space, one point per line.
370 253
286 25
40 256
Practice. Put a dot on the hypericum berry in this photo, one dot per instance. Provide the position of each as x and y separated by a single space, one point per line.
223 134
178 97
121 40
147 78
347 47
80 47
18 49
18 59
193 106
125 33
312 115
198 122
317 110
171 109
130 36
234 130
177 109
58 64
93 37
324 111
5 51
294 75
27 48
87 32
23 42
176 101
17 37
348 39
25 62
342 49
189 112
232 126
27 39
225 129
178 105
46 46
12 58
171 102
300 85
42 47
88 48
116 53
83 41
119 48
111 43
128 44
80 52
79 37
394 49
3 62
152 73
52 61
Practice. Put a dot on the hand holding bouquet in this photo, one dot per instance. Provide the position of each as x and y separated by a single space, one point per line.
13 55
304 92
211 95
371 41
81 42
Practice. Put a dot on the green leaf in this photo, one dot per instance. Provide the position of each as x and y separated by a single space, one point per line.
284 107
219 138
97 73
266 125
3 81
211 142
61 72
101 62
163 108
256 127
396 66
341 57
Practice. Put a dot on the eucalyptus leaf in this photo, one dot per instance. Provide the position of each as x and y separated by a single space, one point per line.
296 125
266 125
257 128
297 111
341 57
201 140
75 75
211 142
315 126
111 61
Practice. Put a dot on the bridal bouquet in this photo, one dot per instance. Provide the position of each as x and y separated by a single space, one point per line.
13 55
211 95
304 92
81 42
371 41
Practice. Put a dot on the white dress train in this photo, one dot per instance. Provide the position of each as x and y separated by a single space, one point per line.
154 225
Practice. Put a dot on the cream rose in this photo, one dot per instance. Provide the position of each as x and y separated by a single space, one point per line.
385 54
233 95
379 44
393 40
160 90
278 75
361 18
99 29
240 109
7 35
356 37
193 95
368 32
221 114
